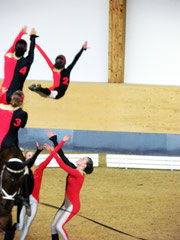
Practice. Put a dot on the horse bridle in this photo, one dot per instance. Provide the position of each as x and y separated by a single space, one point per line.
4 194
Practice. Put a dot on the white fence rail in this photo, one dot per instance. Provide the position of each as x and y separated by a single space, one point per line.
142 161
123 161
72 157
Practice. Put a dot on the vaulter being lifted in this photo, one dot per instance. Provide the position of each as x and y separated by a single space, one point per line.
61 75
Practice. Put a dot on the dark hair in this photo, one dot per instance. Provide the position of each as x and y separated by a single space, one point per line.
20 48
17 98
60 62
89 166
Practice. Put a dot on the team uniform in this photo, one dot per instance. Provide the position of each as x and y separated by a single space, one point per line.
71 204
16 70
61 153
28 184
24 223
11 120
61 79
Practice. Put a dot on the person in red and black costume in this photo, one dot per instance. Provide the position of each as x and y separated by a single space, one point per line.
61 75
74 182
17 66
28 184
23 199
12 118
24 220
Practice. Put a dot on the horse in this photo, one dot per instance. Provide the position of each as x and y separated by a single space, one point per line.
12 168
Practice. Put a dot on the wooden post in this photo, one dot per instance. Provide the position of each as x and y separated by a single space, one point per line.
117 10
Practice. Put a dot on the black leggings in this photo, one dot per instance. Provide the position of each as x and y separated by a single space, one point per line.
59 92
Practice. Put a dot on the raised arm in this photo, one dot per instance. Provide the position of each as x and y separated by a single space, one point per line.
31 161
19 36
84 47
38 173
45 57
48 159
33 37
65 167
53 138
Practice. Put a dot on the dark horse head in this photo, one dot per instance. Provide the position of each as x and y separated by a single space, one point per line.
12 167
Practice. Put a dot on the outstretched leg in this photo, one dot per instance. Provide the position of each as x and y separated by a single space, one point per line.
44 92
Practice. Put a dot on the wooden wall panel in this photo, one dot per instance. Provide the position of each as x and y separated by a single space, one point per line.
117 9
107 107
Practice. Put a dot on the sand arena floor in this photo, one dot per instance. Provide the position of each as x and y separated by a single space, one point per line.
142 203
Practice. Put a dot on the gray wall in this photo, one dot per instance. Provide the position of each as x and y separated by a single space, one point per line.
107 142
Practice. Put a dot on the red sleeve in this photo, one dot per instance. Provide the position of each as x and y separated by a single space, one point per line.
42 166
65 167
12 48
1 96
45 57
48 159
38 177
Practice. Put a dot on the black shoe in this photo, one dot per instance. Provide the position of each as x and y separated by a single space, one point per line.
32 87
38 88
55 237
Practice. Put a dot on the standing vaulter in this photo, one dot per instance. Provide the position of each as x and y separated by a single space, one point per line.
24 220
17 66
61 75
74 182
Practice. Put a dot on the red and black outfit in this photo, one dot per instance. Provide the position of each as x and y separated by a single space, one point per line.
61 79
28 184
25 221
11 119
71 204
16 71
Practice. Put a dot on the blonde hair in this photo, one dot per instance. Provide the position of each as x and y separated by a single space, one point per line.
17 98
